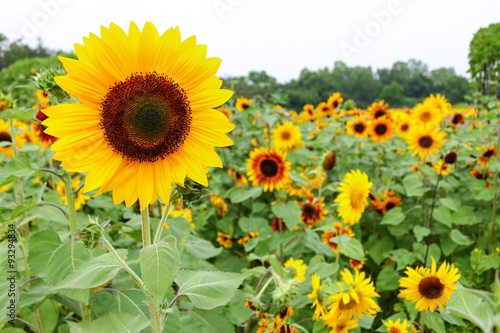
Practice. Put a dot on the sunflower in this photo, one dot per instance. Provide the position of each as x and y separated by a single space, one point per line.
457 120
378 109
476 173
429 288
352 201
380 129
224 240
312 211
45 140
43 97
147 118
396 326
80 198
277 224
243 240
300 268
287 137
338 230
357 127
225 111
243 103
425 140
342 324
240 179
176 210
391 200
356 297
335 100
329 161
318 297
439 102
426 113
489 151
269 168
403 126
292 188
358 264
308 112
441 168
325 110
6 138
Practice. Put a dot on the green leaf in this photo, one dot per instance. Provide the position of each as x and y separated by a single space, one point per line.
213 321
201 248
402 257
433 321
207 289
465 215
451 203
242 194
413 186
467 305
159 265
115 322
459 238
276 266
18 167
94 272
443 215
53 260
420 232
394 217
387 279
353 249
290 213
18 113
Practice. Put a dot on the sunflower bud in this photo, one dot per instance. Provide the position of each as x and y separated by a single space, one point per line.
286 291
44 80
91 234
191 192
6 102
450 158
329 161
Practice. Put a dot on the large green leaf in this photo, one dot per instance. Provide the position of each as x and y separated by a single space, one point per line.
159 265
113 323
433 321
352 249
201 248
206 289
18 167
53 260
94 272
393 217
238 195
18 113
289 212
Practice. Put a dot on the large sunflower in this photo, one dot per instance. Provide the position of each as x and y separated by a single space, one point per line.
269 168
380 129
425 140
429 288
378 109
352 201
325 110
357 127
335 100
426 113
147 117
287 137
312 211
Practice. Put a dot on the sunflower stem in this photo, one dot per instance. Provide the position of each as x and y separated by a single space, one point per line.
146 232
377 180
70 197
161 225
432 210
320 182
493 227
86 314
337 259
153 311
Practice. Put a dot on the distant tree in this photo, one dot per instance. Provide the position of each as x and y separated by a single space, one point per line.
394 94
10 52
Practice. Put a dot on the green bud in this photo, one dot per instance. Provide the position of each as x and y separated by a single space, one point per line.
44 79
6 102
286 291
90 235
191 192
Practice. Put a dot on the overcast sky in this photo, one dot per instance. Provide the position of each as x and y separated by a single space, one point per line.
279 36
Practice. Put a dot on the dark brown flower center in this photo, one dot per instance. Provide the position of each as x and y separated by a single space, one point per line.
381 129
404 127
380 113
489 153
269 168
285 135
390 205
359 128
352 303
394 330
335 104
425 141
431 287
309 209
146 117
457 118
5 137
450 158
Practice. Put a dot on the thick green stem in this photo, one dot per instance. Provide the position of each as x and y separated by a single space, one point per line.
161 225
377 170
337 259
19 185
153 310
70 197
146 232
265 287
86 315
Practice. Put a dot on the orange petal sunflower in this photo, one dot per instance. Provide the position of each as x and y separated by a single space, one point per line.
147 118
312 211
378 109
357 127
380 129
425 140
268 168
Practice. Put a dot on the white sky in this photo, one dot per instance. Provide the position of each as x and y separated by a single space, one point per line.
279 36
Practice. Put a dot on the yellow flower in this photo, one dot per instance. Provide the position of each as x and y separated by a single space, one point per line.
147 118
317 296
426 113
425 140
378 109
43 97
300 268
80 198
396 326
308 112
224 239
243 240
441 168
403 126
429 288
440 103
6 137
335 234
341 324
380 129
312 211
325 110
243 103
352 201
220 204
287 137
268 168
240 179
358 127
335 100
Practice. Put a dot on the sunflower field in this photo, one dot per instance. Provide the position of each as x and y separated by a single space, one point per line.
138 196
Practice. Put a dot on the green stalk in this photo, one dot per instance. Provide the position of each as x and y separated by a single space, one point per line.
19 185
163 219
337 259
377 170
153 311
146 232
70 197
86 315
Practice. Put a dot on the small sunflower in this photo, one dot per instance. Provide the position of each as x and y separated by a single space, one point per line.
147 117
358 264
243 103
325 110
224 240
426 113
300 268
403 126
318 297
308 112
243 240
338 230
380 129
335 100
439 102
342 324
268 168
396 326
489 151
456 120
312 211
43 97
45 140
287 137
378 109
441 168
6 138
225 111
429 288
352 201
240 179
476 173
425 140
358 127
295 189
391 200
220 204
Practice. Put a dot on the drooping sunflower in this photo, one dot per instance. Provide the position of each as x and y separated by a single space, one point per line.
147 118
335 100
308 112
425 140
287 137
325 110
341 324
219 204
358 127
352 201
356 297
380 129
318 297
396 326
224 240
269 168
337 231
243 103
300 268
312 211
378 109
240 179
426 113
484 160
429 288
